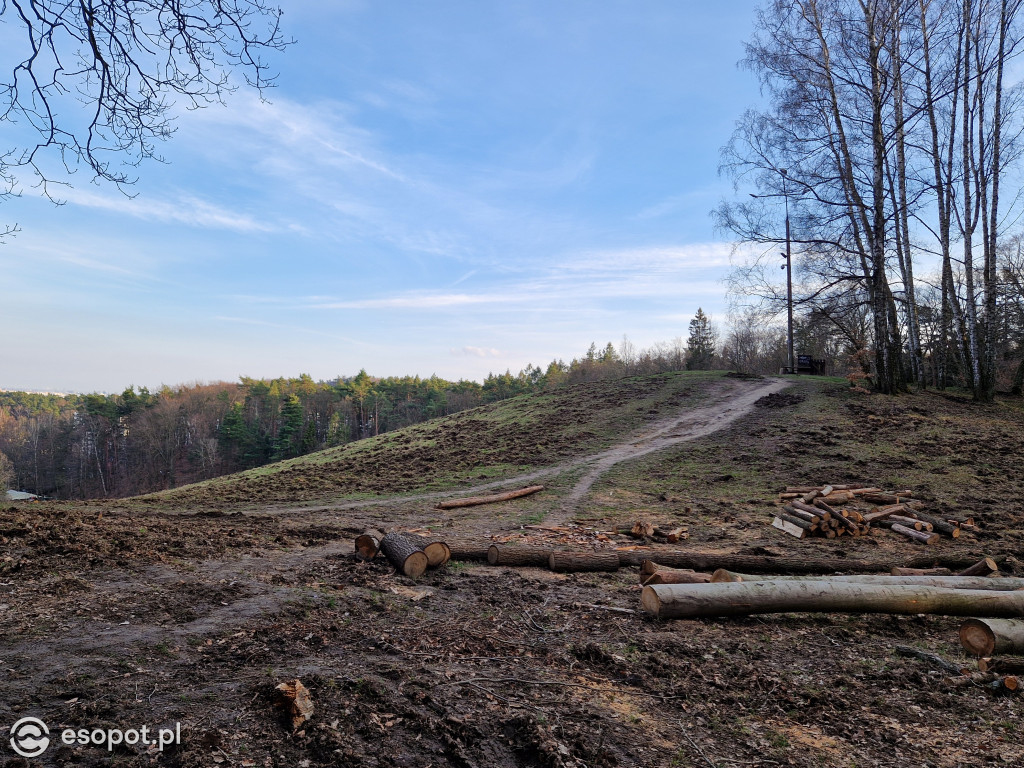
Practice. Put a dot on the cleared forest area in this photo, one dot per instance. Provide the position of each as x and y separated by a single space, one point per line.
193 607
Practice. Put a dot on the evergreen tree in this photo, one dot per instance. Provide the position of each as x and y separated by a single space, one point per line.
289 433
700 347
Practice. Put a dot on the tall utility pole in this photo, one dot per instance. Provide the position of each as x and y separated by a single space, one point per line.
788 266
789 273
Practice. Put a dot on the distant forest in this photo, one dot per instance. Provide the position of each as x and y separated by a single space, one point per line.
96 445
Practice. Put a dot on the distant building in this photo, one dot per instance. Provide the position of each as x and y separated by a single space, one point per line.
21 496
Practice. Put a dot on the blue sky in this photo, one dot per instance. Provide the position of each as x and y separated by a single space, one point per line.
433 187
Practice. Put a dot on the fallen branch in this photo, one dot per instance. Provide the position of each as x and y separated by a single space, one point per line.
474 501
931 658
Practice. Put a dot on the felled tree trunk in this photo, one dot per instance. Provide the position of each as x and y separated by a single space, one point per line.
652 573
676 601
710 561
569 562
950 582
989 637
518 555
474 501
467 549
405 554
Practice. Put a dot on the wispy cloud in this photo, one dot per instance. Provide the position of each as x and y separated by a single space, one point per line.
469 351
418 300
187 209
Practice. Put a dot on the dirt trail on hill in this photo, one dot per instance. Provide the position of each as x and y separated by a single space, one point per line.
691 424
733 400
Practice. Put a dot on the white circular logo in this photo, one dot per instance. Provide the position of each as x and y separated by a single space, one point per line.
30 737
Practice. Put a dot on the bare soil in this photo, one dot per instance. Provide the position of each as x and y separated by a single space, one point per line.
192 607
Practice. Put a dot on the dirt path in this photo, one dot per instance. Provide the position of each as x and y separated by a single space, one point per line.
691 424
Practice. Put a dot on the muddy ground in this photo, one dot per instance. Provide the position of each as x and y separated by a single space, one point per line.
118 616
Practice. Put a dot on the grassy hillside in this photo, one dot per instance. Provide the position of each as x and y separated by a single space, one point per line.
497 440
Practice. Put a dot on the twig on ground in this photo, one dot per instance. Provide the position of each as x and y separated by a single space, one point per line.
695 746
932 658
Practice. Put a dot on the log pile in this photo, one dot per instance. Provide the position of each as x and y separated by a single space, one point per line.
831 511
410 554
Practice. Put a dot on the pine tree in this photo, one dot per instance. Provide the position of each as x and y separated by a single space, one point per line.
700 347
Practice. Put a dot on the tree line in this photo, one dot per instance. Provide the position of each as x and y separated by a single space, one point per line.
138 441
891 139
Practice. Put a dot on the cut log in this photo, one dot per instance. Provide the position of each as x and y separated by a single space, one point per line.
677 601
367 545
824 507
437 552
1002 665
899 571
799 522
810 496
571 562
1008 684
909 522
922 536
808 509
474 501
467 549
966 681
791 528
938 524
642 529
984 567
802 489
518 555
710 561
672 536
950 582
405 554
675 576
991 637
838 497
882 512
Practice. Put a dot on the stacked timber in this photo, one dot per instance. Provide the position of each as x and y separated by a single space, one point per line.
830 511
